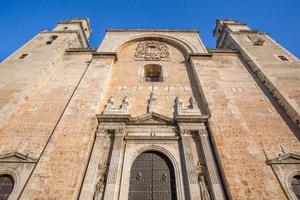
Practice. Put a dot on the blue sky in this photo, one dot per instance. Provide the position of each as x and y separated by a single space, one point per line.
21 20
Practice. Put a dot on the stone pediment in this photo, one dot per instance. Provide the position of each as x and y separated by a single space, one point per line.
151 118
17 158
288 158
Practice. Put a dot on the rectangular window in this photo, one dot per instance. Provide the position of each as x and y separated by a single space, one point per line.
283 58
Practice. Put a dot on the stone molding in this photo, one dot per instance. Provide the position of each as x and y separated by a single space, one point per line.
17 157
287 158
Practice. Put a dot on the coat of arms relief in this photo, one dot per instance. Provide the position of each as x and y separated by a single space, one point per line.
152 50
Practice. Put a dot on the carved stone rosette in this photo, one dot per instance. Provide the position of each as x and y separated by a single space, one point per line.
152 50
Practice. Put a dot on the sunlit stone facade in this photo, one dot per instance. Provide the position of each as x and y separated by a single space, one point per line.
150 114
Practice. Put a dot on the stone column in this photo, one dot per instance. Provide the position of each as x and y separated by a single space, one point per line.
97 167
216 186
194 193
111 189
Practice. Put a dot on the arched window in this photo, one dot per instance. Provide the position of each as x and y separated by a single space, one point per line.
153 73
152 177
6 186
296 185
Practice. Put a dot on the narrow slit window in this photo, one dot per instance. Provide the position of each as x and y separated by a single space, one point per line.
23 56
283 58
153 73
51 39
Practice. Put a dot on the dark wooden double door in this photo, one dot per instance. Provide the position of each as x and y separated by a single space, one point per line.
152 178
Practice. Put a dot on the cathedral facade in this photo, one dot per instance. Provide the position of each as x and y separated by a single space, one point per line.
150 114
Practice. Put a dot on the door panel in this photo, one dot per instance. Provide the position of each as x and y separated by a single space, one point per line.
152 178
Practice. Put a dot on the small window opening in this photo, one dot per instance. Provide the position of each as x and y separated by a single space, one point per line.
6 186
296 185
23 56
52 38
153 73
65 27
283 58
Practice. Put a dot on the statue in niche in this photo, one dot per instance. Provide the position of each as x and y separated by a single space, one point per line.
202 183
101 180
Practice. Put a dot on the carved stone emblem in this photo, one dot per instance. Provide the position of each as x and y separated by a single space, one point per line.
152 50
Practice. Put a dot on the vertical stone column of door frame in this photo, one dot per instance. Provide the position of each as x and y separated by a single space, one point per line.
194 191
113 177
103 141
216 185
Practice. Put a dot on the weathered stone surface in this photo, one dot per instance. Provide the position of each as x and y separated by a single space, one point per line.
74 119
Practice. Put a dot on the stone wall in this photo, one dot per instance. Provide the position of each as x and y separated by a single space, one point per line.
245 127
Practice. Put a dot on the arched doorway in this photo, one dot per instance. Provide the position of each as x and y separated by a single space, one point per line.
152 178
6 186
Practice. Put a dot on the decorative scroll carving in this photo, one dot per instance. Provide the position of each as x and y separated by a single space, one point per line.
192 109
200 171
151 102
122 109
101 180
152 50
256 40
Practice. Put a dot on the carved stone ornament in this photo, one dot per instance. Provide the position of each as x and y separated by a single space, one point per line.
102 132
192 108
152 50
185 132
122 109
203 133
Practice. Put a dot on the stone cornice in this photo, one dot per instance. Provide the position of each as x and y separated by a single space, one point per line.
151 118
80 51
191 118
200 56
152 30
288 158
105 55
16 157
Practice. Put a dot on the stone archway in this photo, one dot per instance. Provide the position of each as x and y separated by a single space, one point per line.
152 177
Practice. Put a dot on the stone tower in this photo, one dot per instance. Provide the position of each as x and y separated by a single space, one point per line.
150 114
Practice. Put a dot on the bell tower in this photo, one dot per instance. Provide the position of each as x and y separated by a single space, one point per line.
267 59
